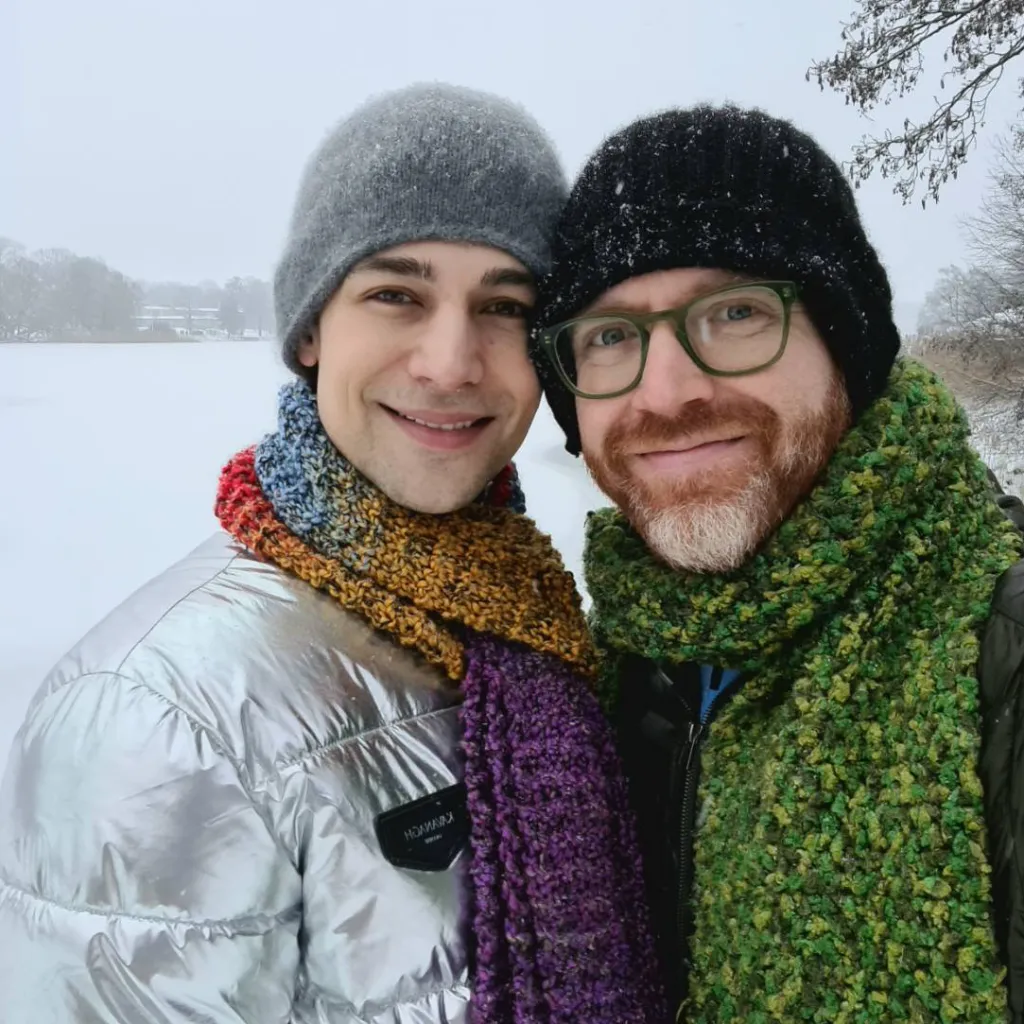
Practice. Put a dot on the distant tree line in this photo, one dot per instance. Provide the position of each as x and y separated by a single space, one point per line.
983 304
241 304
54 293
976 313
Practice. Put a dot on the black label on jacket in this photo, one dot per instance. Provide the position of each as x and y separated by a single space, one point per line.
428 834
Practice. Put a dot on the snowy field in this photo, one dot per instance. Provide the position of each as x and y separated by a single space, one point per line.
999 438
109 458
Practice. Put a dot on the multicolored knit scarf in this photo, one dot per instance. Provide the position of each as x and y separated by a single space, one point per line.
560 930
841 872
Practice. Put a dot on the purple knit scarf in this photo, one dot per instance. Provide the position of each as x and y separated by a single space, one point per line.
559 909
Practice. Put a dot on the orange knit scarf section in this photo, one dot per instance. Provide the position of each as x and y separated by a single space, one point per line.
485 568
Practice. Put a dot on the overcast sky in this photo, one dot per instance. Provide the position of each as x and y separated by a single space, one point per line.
167 137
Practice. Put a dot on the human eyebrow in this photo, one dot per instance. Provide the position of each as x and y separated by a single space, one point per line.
404 266
711 285
500 276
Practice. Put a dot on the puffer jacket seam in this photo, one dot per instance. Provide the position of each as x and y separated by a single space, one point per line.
378 1009
215 738
167 611
274 770
230 924
247 785
342 741
141 684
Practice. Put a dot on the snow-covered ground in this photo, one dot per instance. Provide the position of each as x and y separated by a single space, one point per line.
109 457
999 438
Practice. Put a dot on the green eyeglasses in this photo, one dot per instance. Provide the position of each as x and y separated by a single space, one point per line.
731 332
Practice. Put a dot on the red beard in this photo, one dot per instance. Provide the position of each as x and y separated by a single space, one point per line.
785 461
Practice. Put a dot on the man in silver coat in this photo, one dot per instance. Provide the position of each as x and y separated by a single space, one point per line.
271 786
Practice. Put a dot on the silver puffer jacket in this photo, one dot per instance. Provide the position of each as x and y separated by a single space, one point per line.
189 823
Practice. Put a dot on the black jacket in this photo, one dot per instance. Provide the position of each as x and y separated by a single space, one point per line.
1001 672
1001 675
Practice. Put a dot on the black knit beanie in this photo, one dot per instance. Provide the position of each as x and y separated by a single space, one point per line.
730 189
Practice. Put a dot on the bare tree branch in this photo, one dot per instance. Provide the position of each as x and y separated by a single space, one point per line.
883 59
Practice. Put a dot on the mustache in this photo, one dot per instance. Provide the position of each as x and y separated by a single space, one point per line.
647 428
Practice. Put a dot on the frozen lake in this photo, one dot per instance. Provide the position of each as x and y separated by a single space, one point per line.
109 456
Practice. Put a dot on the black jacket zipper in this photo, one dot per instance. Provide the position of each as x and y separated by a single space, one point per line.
686 822
683 796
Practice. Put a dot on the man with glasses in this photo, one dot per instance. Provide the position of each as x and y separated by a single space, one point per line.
810 606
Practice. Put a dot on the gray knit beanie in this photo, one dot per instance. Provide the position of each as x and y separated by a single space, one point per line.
428 162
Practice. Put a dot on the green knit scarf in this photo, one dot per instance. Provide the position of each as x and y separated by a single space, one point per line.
841 872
